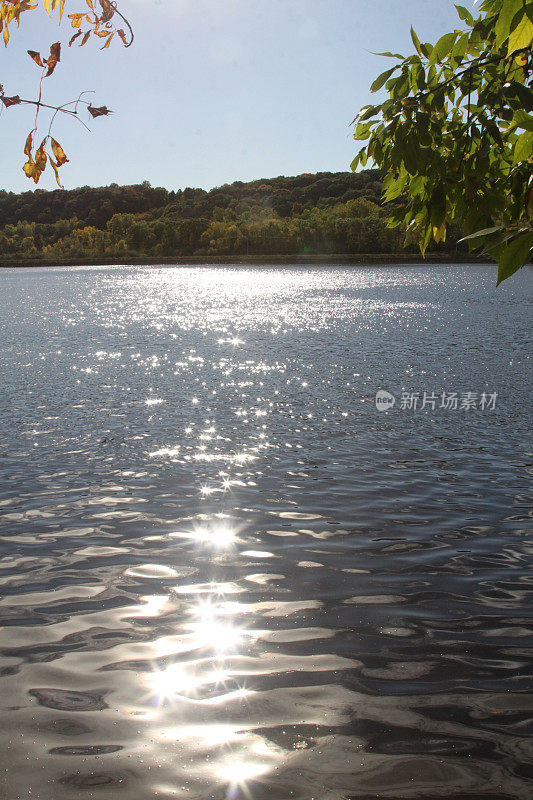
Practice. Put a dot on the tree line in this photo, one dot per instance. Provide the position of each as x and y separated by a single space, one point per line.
322 213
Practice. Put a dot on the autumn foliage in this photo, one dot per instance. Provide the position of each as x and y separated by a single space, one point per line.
96 22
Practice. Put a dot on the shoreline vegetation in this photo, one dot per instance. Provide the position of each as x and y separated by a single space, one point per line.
302 259
312 218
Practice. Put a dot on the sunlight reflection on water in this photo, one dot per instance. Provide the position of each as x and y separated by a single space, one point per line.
225 574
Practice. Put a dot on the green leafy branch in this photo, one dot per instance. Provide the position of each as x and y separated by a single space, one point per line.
454 137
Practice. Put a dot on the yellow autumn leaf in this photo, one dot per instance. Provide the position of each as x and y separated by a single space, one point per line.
46 4
58 152
32 170
6 35
54 167
439 233
522 36
28 145
61 9
28 167
75 19
41 157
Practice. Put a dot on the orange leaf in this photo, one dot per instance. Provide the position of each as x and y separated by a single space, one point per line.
75 19
36 57
108 42
90 4
58 152
85 38
55 51
74 38
53 58
6 35
28 167
122 35
28 145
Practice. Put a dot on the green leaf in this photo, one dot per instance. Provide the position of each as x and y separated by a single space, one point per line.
382 79
481 234
416 41
390 55
465 15
523 95
437 208
362 131
443 47
367 112
460 47
514 256
523 150
502 27
522 36
521 120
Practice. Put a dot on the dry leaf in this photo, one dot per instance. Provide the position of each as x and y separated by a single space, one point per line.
36 57
28 145
54 167
41 157
75 19
98 112
11 101
107 10
53 58
74 38
58 152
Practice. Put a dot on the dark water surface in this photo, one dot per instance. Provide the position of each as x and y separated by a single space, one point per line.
225 573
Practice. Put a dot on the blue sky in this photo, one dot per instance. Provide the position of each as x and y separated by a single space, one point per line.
212 91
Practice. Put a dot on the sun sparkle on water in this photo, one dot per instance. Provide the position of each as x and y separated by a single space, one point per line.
219 536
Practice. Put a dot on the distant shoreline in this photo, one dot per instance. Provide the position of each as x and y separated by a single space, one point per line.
362 259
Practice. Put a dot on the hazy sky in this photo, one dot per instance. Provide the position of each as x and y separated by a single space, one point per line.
212 91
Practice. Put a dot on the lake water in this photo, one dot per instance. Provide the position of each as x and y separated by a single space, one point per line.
225 574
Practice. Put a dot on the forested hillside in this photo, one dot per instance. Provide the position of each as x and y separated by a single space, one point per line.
329 213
